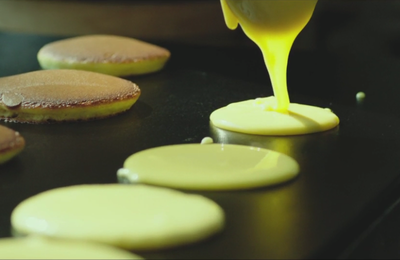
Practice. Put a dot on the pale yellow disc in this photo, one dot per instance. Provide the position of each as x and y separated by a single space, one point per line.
208 167
258 117
129 216
45 248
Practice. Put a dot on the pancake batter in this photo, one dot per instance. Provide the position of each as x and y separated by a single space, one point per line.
129 216
208 167
273 26
37 247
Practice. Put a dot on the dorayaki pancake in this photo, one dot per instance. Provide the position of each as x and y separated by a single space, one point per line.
64 95
108 54
38 247
137 217
11 143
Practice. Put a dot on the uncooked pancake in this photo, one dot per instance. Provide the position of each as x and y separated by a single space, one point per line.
38 247
11 143
208 167
64 95
129 216
108 54
258 117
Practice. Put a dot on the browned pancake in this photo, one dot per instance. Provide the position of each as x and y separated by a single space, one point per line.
11 143
108 54
64 95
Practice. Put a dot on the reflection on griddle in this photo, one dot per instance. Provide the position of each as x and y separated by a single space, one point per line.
289 145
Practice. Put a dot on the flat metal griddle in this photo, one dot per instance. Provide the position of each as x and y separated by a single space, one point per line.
349 174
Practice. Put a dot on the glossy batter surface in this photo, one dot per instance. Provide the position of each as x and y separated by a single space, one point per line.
209 167
129 216
47 248
258 117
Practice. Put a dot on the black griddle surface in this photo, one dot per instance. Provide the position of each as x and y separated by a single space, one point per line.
349 175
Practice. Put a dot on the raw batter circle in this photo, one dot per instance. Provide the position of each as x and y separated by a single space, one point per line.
38 247
258 117
129 216
208 167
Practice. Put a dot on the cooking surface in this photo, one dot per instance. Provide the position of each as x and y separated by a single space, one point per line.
349 175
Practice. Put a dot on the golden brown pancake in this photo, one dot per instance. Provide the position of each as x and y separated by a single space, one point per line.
113 55
64 95
11 143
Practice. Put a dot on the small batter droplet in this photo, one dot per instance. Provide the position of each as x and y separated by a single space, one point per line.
12 99
360 96
207 140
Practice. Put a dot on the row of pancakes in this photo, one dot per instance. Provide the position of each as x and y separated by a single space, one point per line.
135 217
167 218
65 222
79 82
144 217
75 85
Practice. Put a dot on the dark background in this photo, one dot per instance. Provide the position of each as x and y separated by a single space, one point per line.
342 205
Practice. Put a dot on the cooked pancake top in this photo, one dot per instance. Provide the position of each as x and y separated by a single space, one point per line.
102 49
9 139
63 88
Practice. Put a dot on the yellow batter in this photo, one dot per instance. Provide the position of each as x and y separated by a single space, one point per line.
208 167
129 216
44 248
273 25
258 117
